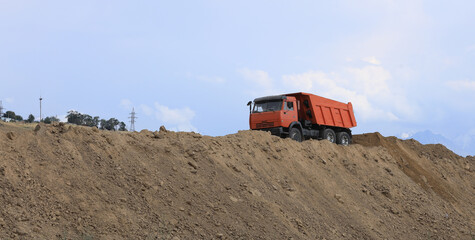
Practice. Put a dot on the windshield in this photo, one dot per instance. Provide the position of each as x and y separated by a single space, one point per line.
267 106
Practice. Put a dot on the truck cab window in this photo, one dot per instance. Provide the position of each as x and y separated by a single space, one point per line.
289 106
268 106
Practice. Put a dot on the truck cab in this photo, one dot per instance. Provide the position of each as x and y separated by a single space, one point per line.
273 113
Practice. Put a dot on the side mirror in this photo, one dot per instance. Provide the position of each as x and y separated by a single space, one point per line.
250 106
249 103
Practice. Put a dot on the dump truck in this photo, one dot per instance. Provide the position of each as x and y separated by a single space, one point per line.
301 116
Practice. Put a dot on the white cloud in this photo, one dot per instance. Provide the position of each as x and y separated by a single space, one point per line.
126 104
259 83
462 85
471 48
146 109
370 80
368 88
405 135
305 82
175 119
372 60
63 118
323 84
257 76
402 29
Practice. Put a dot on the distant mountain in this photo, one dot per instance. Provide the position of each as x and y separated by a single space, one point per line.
428 137
461 148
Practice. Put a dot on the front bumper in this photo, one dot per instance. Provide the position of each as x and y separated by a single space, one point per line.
277 131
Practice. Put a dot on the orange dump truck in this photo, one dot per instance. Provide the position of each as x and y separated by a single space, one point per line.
302 116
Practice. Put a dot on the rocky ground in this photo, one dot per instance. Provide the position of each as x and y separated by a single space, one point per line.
70 182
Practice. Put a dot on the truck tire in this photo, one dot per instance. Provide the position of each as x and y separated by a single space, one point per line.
329 135
343 138
295 134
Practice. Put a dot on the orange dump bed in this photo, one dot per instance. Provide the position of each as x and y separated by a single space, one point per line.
324 111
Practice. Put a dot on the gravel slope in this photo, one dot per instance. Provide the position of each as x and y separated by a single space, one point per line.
69 182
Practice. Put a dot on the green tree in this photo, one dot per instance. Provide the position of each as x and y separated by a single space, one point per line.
78 118
18 118
51 119
75 117
95 121
9 114
31 118
112 124
86 120
90 121
122 126
103 124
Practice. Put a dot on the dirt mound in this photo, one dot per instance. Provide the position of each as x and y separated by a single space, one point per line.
71 182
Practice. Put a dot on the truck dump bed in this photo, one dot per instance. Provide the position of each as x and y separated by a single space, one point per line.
324 111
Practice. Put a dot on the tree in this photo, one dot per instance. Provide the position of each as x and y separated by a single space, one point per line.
86 120
31 118
78 118
75 117
9 114
18 118
51 119
95 121
90 121
112 124
103 124
122 126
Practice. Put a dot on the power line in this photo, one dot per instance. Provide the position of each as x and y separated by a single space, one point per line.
132 120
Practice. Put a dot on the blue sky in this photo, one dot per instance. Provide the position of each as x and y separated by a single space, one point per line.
406 66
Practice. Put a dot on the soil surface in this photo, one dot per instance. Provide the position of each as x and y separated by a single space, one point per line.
70 182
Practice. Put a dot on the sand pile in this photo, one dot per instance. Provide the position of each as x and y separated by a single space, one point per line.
71 182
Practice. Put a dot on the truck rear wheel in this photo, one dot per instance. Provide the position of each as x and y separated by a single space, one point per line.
343 138
295 134
329 135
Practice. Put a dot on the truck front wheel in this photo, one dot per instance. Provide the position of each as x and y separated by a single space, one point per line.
295 134
329 135
343 138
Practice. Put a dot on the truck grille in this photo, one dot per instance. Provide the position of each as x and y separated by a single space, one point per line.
265 124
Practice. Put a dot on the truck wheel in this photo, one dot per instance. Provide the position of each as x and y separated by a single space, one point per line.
329 135
343 138
295 134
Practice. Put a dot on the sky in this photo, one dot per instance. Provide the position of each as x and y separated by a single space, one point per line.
406 66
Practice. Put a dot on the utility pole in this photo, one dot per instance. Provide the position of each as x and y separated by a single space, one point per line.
132 120
1 110
40 107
